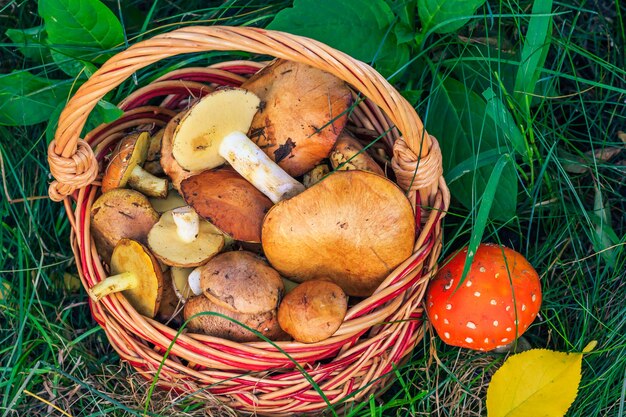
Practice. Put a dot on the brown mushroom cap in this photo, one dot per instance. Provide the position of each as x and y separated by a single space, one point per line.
348 154
137 274
170 166
303 110
117 214
227 200
313 311
125 167
153 158
167 245
171 306
214 325
499 298
353 227
242 282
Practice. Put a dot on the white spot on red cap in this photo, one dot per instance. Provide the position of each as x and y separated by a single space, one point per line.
497 275
504 340
469 340
508 308
436 317
508 329
468 283
448 285
448 306
471 325
523 307
482 269
446 335
445 321
533 297
495 323
486 340
493 302
476 294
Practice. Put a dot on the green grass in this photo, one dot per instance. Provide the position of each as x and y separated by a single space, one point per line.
569 219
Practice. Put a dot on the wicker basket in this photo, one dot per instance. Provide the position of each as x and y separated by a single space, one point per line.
377 334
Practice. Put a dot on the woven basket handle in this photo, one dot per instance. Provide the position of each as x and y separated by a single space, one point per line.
72 161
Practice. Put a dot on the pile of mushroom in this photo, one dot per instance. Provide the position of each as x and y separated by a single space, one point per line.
238 242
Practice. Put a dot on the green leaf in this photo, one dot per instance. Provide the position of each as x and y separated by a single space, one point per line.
446 16
356 27
504 120
534 53
72 66
459 119
26 99
81 28
486 202
538 382
31 43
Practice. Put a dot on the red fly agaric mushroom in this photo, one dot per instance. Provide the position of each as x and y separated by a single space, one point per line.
303 110
125 168
353 227
137 274
228 201
117 214
499 298
212 132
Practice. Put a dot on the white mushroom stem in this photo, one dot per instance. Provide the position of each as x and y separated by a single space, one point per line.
116 283
187 223
194 281
255 166
146 183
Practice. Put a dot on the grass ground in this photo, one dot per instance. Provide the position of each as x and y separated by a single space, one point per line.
569 221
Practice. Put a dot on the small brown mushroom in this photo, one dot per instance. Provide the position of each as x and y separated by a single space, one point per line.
208 320
315 175
153 159
313 311
171 306
170 166
117 214
303 110
125 167
181 238
242 282
228 201
180 283
353 227
137 275
349 154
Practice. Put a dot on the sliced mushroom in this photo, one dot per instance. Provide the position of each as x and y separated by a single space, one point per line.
349 154
228 201
303 110
136 274
184 241
313 311
212 132
118 214
353 227
125 167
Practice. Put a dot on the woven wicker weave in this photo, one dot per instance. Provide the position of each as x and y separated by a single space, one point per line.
377 333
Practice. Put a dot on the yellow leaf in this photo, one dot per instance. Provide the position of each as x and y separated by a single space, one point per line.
538 383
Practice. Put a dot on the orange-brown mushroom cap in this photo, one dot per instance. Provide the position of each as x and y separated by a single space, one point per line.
499 298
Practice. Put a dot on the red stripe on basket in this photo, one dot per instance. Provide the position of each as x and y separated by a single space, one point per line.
241 69
185 91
